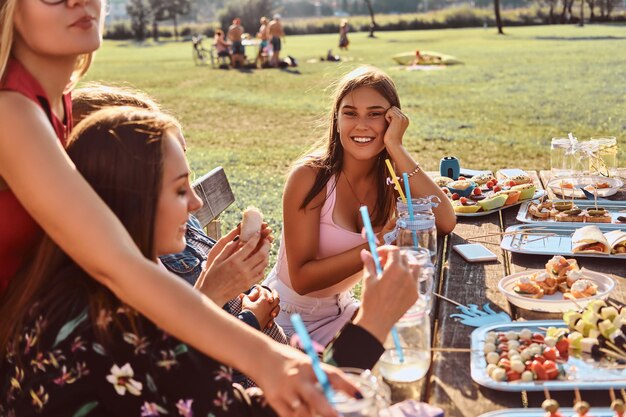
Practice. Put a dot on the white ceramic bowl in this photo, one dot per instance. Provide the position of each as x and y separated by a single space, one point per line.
554 303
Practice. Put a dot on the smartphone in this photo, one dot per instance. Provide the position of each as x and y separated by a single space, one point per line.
475 252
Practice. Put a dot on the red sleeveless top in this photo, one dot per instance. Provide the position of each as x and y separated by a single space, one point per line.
19 232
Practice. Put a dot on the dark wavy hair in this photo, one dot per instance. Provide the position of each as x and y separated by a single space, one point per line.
327 154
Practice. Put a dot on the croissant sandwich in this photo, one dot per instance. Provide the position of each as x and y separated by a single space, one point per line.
589 239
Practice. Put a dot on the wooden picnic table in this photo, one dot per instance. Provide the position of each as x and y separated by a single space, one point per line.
448 384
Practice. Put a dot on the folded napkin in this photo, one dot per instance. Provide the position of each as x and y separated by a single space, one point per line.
412 408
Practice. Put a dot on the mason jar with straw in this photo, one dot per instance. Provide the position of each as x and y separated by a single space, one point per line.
414 335
376 395
420 231
413 328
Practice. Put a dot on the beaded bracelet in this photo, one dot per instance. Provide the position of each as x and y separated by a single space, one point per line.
417 169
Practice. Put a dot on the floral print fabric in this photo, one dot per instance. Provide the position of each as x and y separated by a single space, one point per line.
60 368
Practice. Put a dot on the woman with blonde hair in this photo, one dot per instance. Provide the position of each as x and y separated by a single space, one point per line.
45 46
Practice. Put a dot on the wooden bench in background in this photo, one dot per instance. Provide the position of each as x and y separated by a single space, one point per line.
214 190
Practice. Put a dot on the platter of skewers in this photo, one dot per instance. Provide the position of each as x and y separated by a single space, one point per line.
595 184
551 408
586 350
557 288
557 412
538 412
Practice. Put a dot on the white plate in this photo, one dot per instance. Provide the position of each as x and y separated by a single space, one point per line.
538 412
538 194
554 303
580 373
555 185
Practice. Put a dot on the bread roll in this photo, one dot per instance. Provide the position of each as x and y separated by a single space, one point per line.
251 222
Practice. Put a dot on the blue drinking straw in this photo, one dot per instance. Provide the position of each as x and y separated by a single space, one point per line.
371 239
409 203
307 345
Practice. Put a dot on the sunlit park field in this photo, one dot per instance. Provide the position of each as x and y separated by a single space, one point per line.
499 109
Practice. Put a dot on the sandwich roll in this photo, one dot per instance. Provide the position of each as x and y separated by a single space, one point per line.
252 220
589 239
617 242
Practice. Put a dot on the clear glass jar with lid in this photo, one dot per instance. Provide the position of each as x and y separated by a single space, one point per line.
562 156
607 153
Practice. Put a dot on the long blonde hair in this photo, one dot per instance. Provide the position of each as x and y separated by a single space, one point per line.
7 15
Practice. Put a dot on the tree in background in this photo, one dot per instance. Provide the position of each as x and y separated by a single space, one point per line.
373 24
609 5
171 9
344 5
582 13
249 11
496 7
566 13
552 6
139 13
592 5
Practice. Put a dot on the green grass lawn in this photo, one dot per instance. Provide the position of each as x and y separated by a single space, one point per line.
498 110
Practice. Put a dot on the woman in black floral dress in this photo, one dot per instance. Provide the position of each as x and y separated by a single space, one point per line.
73 348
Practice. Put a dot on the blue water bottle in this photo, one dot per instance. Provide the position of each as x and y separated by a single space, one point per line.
450 167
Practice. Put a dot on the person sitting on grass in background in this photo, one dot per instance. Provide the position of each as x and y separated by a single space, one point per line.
234 35
72 345
221 46
276 32
318 262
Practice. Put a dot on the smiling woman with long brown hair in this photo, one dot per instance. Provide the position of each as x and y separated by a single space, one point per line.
318 261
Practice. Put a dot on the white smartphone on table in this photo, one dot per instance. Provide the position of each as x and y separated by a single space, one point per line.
475 252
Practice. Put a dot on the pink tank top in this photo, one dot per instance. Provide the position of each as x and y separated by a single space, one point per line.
333 240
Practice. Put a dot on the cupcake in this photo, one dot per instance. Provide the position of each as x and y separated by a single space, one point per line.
462 187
